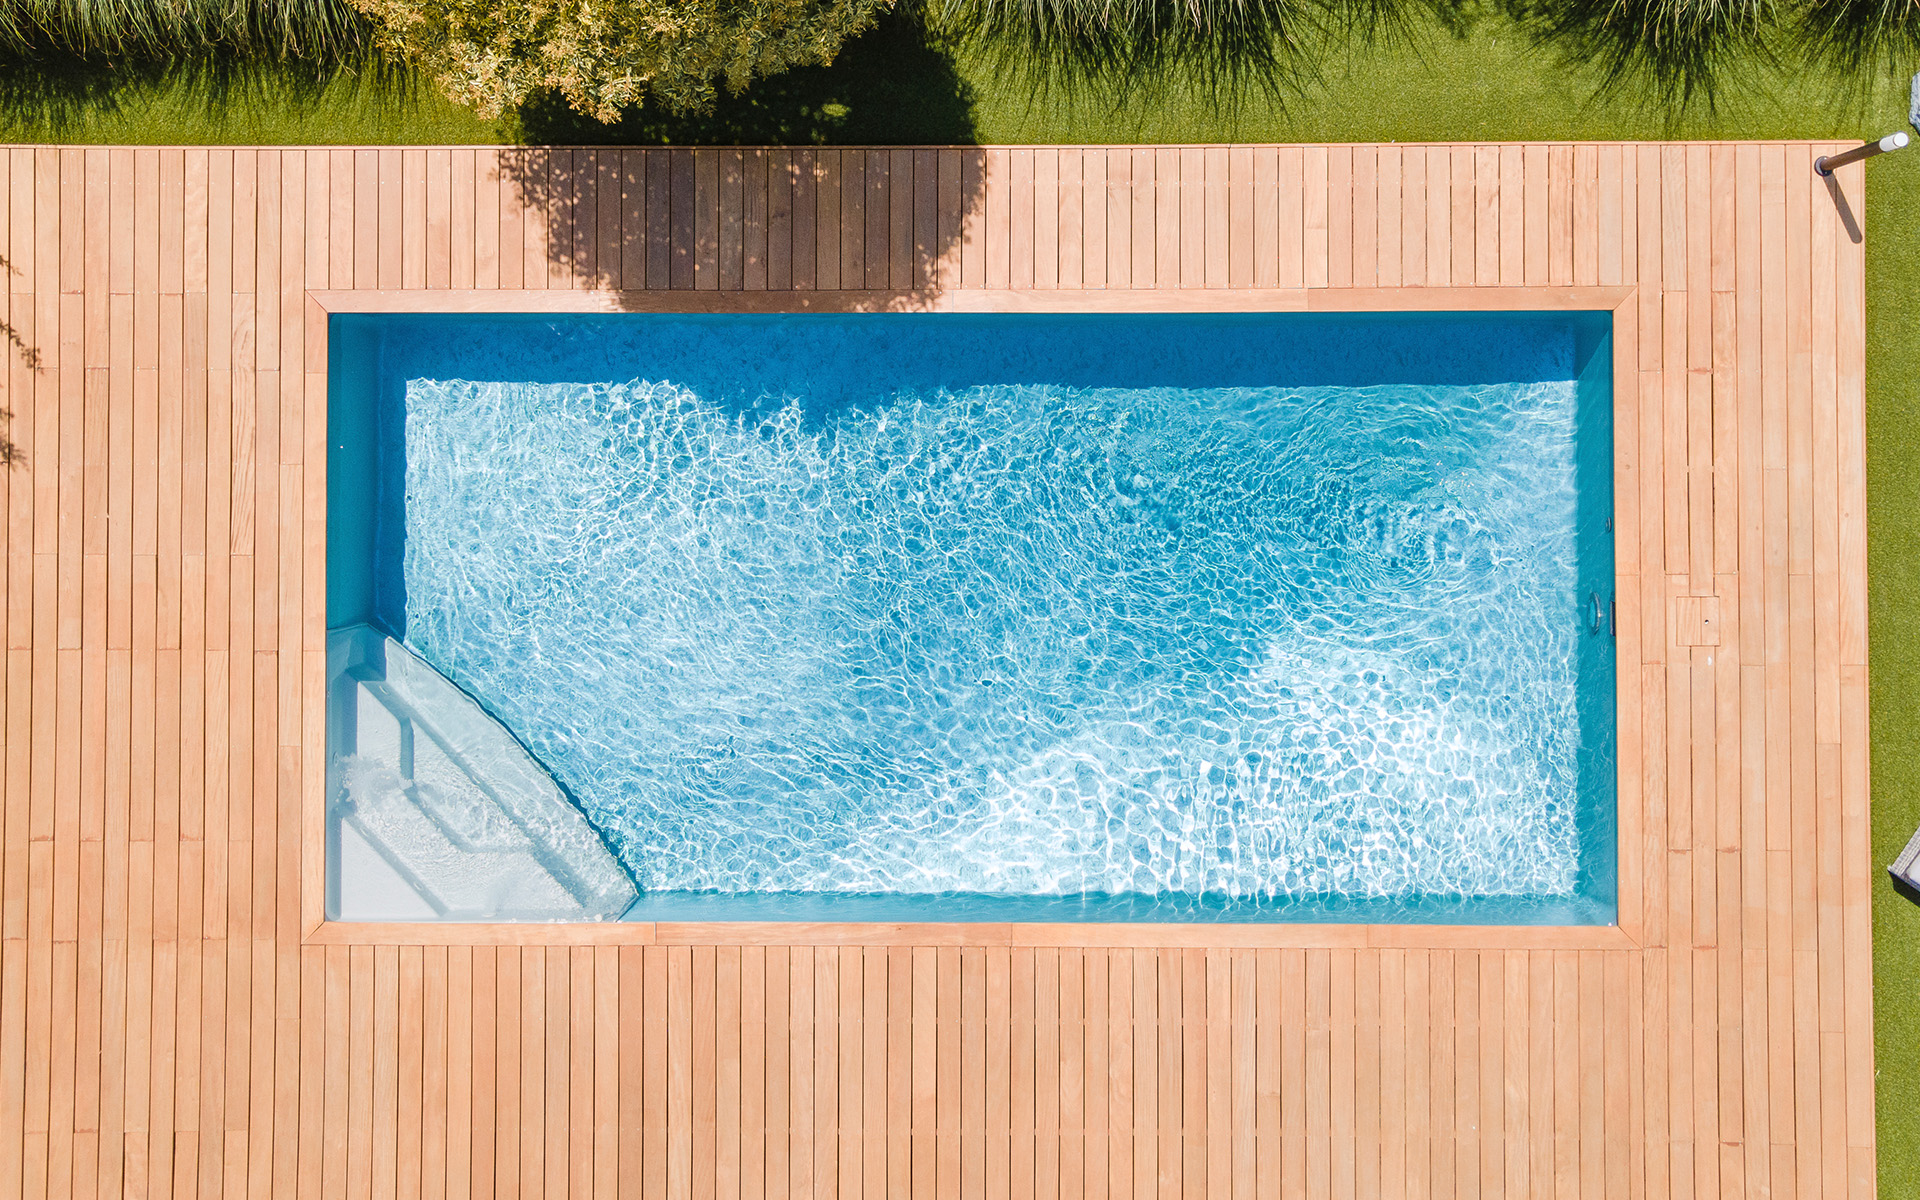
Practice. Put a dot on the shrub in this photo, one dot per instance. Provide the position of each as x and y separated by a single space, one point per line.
604 55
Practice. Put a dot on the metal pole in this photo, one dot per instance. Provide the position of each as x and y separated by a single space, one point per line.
1827 164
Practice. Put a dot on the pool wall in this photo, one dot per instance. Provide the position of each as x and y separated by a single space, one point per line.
371 355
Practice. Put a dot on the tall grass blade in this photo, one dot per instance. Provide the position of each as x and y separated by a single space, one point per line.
1857 35
315 29
1135 45
1673 51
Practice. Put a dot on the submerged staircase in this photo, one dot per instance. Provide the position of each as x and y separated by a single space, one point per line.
435 812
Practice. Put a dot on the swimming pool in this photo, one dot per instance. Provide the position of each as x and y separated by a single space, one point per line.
940 617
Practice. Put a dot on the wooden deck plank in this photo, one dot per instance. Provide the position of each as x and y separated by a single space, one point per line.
801 1120
1072 1079
885 1102
1363 225
731 251
1289 1008
1046 1070
1389 194
1094 213
728 1069
1268 226
1178 229
1439 216
1452 1091
1240 253
1290 204
479 1128
1420 1174
1414 217
1170 1072
1097 1069
1341 213
1854 730
1135 255
463 233
780 1144
1340 1015
1047 232
1316 208
930 1112
1572 215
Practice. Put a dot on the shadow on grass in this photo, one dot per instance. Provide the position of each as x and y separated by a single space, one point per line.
56 95
1863 37
1227 51
896 84
1676 53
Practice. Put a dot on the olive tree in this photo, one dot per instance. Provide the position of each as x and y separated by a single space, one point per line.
604 55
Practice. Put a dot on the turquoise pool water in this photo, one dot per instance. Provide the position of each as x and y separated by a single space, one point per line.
1254 617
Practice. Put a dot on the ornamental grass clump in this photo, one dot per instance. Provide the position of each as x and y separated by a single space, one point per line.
1132 40
1676 50
605 55
313 30
1861 34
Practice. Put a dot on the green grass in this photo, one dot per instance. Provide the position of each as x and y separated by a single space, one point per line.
1893 587
165 27
1487 83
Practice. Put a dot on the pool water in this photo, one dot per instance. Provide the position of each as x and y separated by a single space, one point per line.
904 617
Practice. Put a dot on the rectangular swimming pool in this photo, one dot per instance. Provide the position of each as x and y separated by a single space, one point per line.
889 617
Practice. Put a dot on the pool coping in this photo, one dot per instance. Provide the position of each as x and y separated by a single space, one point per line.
1620 301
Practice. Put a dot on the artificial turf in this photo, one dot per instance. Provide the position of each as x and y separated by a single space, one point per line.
1487 82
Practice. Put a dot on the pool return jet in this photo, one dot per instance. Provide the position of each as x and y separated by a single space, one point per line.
1897 140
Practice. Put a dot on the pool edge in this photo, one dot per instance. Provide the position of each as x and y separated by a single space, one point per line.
1623 933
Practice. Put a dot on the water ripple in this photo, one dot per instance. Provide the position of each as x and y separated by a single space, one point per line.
1023 640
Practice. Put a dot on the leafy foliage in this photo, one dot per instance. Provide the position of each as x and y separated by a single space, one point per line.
606 55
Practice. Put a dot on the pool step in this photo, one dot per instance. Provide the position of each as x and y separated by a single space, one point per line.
436 812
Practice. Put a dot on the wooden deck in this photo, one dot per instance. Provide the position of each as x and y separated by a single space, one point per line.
174 1021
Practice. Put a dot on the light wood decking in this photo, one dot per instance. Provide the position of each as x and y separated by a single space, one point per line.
173 1022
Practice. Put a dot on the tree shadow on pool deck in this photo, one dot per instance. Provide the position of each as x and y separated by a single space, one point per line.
773 204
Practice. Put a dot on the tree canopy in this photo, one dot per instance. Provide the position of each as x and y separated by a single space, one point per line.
604 55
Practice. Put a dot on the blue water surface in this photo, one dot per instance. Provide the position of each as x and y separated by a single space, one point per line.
1243 617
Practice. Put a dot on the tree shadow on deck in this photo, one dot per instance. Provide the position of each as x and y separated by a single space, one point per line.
11 455
832 229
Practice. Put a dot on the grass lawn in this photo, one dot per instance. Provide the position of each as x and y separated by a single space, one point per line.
897 86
